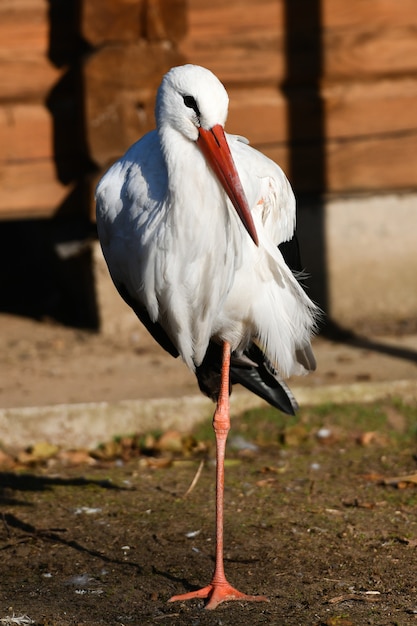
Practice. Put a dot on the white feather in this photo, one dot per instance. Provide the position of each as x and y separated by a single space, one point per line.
171 236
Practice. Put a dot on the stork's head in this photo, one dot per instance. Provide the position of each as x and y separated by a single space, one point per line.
189 98
192 101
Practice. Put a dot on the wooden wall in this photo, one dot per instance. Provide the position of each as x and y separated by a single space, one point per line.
328 89
133 44
28 182
77 84
42 158
359 89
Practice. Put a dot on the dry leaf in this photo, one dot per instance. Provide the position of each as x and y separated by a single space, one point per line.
43 450
156 463
360 505
39 452
269 469
6 460
372 437
363 597
334 512
411 543
265 482
170 441
76 457
106 451
401 482
373 477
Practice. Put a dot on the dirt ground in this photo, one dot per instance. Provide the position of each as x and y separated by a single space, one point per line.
42 363
320 509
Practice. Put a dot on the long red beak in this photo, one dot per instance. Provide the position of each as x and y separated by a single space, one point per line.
214 146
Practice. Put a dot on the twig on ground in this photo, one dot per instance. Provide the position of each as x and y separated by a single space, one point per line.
195 479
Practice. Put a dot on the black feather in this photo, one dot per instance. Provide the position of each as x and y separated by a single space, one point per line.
153 328
253 372
264 381
290 250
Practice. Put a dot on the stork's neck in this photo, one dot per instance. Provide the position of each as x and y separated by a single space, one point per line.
189 176
198 205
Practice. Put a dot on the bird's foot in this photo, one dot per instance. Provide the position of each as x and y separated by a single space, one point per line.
217 593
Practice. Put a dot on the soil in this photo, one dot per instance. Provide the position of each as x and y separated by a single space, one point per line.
320 509
43 363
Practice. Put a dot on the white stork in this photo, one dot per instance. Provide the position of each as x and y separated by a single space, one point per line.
190 220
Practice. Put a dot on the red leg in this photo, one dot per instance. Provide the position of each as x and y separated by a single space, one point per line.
219 590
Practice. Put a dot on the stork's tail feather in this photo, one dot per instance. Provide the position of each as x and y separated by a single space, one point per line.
267 386
263 379
253 371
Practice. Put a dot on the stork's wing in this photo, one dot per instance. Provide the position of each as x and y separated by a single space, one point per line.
264 381
290 250
155 329
252 370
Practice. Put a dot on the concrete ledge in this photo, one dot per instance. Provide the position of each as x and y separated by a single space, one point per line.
360 253
87 424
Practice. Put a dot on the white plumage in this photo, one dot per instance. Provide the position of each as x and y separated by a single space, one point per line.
172 238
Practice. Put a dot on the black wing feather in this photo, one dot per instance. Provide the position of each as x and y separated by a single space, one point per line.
153 328
253 372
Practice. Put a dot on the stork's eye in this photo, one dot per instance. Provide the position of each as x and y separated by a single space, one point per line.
191 103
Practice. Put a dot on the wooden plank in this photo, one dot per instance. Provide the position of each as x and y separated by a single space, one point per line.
367 52
354 54
366 109
30 130
234 21
246 45
334 13
238 42
357 165
104 21
348 110
238 64
380 13
27 76
258 113
120 88
26 133
34 35
112 21
21 7
30 34
30 190
24 28
165 20
372 164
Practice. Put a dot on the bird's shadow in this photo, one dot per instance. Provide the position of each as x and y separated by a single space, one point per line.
30 532
11 482
178 580
338 334
16 482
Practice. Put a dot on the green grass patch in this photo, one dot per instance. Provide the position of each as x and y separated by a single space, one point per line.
394 418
